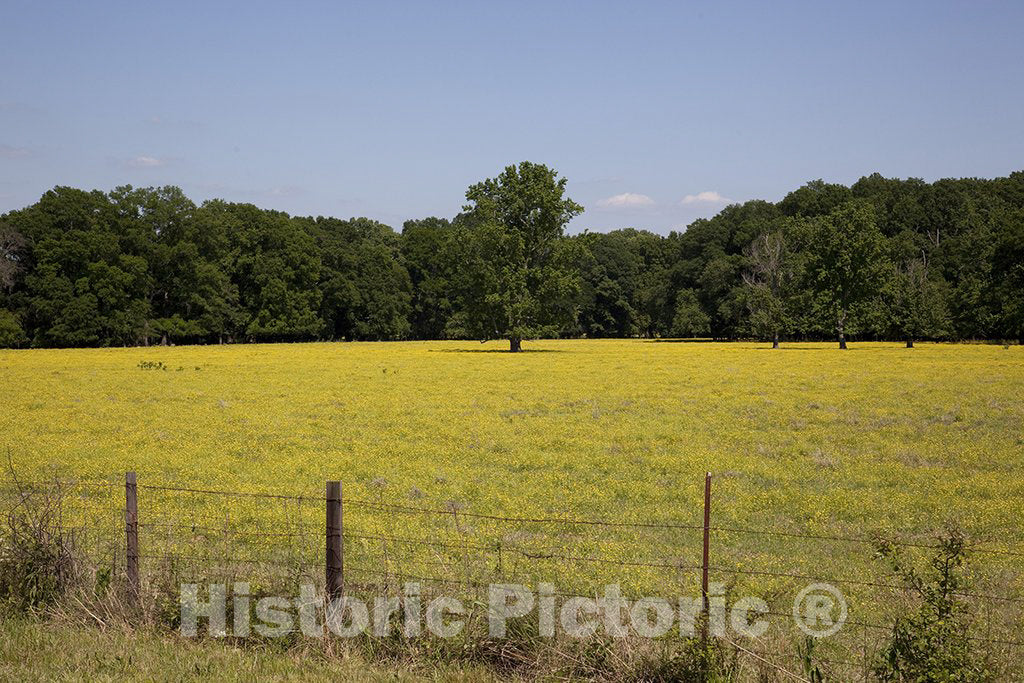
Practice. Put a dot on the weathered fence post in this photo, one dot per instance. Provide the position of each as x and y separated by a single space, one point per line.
131 532
335 549
705 605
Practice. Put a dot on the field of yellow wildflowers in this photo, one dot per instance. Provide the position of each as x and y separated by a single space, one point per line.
805 440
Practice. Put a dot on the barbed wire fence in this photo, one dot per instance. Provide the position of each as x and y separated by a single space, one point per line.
146 533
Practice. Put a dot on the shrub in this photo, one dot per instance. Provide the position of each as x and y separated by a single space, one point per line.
37 555
932 643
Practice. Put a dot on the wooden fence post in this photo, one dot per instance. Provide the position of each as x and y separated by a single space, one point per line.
706 607
335 549
131 531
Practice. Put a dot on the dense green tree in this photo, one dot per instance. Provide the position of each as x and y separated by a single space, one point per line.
366 288
816 198
517 279
275 266
88 283
846 262
917 305
1008 274
709 257
216 303
278 279
11 333
655 288
690 320
158 224
427 251
900 206
624 284
721 294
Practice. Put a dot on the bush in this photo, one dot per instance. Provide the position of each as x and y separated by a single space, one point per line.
37 556
933 643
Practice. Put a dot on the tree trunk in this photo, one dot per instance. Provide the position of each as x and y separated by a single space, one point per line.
842 329
775 341
910 343
515 344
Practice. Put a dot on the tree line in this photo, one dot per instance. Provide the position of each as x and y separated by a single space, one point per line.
881 259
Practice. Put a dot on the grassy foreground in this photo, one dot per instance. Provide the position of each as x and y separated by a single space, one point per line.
806 440
42 651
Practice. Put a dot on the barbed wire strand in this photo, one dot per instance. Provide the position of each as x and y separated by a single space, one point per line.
534 520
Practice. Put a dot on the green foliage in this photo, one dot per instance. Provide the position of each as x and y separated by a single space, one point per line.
805 652
517 279
11 333
689 320
426 247
366 287
917 304
1008 275
885 258
277 276
932 642
846 261
816 198
88 283
611 266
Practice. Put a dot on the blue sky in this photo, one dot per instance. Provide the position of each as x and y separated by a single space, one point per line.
657 113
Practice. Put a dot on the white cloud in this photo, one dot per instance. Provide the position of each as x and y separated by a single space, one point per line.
145 162
8 152
284 191
629 200
705 197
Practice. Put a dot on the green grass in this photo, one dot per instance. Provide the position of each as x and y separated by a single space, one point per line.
32 650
